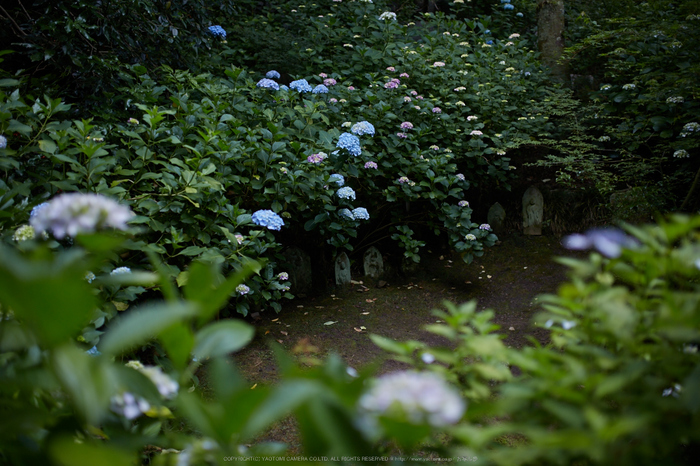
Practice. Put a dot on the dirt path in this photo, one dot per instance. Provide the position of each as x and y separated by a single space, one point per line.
506 279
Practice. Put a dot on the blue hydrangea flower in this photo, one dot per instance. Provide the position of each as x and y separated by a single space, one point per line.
272 74
363 128
519 15
300 85
38 208
488 31
320 89
346 193
505 1
350 142
268 84
360 213
346 213
3 142
269 219
337 178
283 88
93 351
490 42
508 6
217 31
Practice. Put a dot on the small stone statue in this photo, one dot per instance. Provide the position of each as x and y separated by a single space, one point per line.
533 207
374 265
342 270
496 217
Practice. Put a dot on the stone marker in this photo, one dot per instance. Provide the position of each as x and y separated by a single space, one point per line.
496 217
298 266
533 206
342 270
374 265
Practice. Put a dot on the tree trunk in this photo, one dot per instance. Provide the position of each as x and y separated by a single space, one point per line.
550 36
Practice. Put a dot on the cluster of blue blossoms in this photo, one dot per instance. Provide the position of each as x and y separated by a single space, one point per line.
346 193
217 31
337 178
363 128
269 219
268 84
350 142
272 74
320 89
300 85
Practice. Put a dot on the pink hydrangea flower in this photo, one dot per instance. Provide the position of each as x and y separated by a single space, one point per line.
403 75
330 82
391 68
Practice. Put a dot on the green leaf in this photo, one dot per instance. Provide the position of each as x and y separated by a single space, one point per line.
66 451
52 298
47 145
222 338
143 324
178 342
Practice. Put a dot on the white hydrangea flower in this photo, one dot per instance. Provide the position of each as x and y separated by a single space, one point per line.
422 397
75 213
167 387
23 233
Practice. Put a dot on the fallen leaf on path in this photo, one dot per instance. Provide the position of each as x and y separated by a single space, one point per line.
284 333
511 328
468 282
275 320
253 386
365 313
488 276
354 282
330 322
357 329
363 327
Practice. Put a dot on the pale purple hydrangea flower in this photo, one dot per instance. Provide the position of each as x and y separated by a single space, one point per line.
371 165
470 237
485 226
422 397
472 118
437 110
283 276
463 203
315 158
406 125
460 177
439 64
476 132
403 75
330 82
407 99
404 179
322 75
391 68
332 100
129 406
76 213
607 241
391 85
402 135
242 290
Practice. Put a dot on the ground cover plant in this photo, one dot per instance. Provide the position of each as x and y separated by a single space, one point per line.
150 186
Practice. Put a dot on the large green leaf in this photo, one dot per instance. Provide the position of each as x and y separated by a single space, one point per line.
222 338
52 298
144 323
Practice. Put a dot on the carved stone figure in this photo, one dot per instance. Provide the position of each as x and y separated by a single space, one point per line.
496 217
533 207
342 270
298 266
374 265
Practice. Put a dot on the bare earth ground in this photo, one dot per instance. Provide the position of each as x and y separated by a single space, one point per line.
507 279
